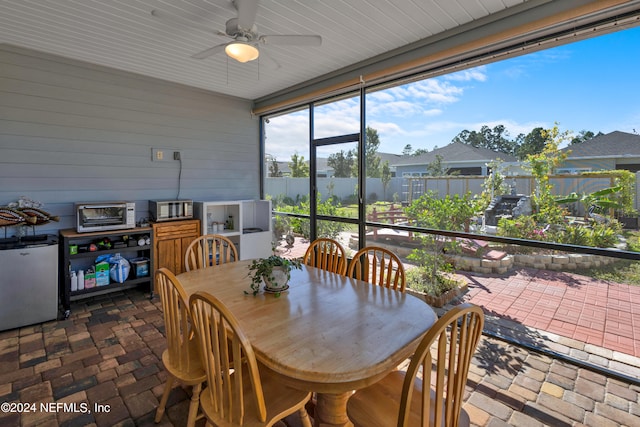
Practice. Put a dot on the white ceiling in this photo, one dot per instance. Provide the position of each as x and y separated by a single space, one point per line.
123 34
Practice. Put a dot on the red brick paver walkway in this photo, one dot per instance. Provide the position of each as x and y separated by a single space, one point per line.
596 312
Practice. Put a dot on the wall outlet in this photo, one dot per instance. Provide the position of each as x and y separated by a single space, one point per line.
165 154
158 155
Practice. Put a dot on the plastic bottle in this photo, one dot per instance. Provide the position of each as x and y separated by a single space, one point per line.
74 281
80 280
230 222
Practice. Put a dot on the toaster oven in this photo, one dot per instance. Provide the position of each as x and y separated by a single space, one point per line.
104 216
170 210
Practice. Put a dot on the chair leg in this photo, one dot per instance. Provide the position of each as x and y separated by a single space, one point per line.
304 417
194 405
165 396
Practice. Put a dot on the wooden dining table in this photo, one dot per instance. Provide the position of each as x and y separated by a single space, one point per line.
326 333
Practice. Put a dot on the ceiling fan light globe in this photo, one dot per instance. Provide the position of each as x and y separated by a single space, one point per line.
241 52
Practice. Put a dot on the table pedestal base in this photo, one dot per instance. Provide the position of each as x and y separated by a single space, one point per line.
331 410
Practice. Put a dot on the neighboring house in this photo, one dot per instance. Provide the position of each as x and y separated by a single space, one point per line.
615 150
323 170
393 159
456 157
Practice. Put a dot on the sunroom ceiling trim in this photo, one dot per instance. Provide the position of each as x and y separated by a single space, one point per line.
530 26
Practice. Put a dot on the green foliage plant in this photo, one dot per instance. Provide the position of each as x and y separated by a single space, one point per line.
626 181
329 229
541 166
419 279
576 234
600 199
594 234
605 235
522 227
448 213
263 268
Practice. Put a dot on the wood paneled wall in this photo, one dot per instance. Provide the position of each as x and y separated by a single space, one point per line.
72 131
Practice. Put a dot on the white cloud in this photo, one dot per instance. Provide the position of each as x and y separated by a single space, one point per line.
432 112
388 128
394 108
380 96
472 74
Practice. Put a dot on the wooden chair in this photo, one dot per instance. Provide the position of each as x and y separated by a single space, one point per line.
237 392
378 266
326 254
209 251
400 399
181 358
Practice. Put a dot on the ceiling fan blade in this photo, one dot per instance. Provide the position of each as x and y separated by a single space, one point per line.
247 10
268 62
208 52
186 20
297 40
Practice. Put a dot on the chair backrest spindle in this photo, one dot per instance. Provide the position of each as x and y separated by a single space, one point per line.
378 266
326 254
209 251
218 330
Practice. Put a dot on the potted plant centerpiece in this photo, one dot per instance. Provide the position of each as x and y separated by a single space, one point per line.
274 271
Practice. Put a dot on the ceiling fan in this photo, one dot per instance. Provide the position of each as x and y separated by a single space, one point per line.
244 34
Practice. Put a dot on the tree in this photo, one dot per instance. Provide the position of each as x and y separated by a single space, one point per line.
495 139
542 165
436 168
342 163
385 177
274 169
584 136
299 168
420 151
532 143
407 150
372 143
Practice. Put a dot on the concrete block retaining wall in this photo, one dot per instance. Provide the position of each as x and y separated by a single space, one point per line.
565 262
483 265
562 262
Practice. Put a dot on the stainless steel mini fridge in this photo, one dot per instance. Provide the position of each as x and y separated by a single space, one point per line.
28 280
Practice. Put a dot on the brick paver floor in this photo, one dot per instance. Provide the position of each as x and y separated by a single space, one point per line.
108 354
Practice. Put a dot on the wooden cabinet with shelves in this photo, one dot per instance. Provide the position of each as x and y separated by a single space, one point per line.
251 231
82 260
171 240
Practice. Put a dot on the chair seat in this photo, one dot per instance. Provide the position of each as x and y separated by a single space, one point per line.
379 404
279 399
192 376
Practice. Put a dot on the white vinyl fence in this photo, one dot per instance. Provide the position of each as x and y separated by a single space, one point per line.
407 189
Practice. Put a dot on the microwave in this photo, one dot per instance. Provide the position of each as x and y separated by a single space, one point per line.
170 210
104 216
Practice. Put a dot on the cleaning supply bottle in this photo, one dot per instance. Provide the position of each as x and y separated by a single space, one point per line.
80 280
74 281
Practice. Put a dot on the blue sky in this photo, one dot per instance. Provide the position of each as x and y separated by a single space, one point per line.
589 85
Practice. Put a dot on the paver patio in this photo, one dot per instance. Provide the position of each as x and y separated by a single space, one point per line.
597 312
108 353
